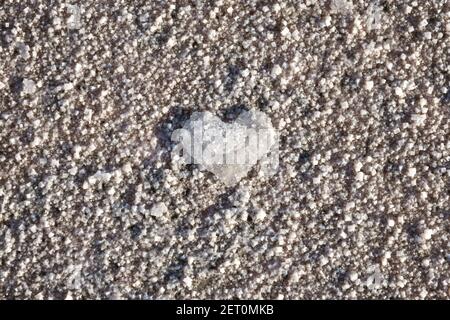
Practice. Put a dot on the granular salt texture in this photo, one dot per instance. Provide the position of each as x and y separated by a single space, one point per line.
358 92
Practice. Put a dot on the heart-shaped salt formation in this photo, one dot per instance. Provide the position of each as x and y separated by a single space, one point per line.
229 150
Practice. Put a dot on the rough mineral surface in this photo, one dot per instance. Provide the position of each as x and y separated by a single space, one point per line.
91 205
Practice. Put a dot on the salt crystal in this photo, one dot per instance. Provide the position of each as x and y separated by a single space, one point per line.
29 86
276 70
418 119
427 233
368 85
260 215
399 92
285 32
187 281
127 168
411 172
353 276
359 176
158 210
358 166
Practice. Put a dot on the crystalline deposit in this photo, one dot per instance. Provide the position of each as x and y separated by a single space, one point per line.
229 150
341 6
158 210
29 86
